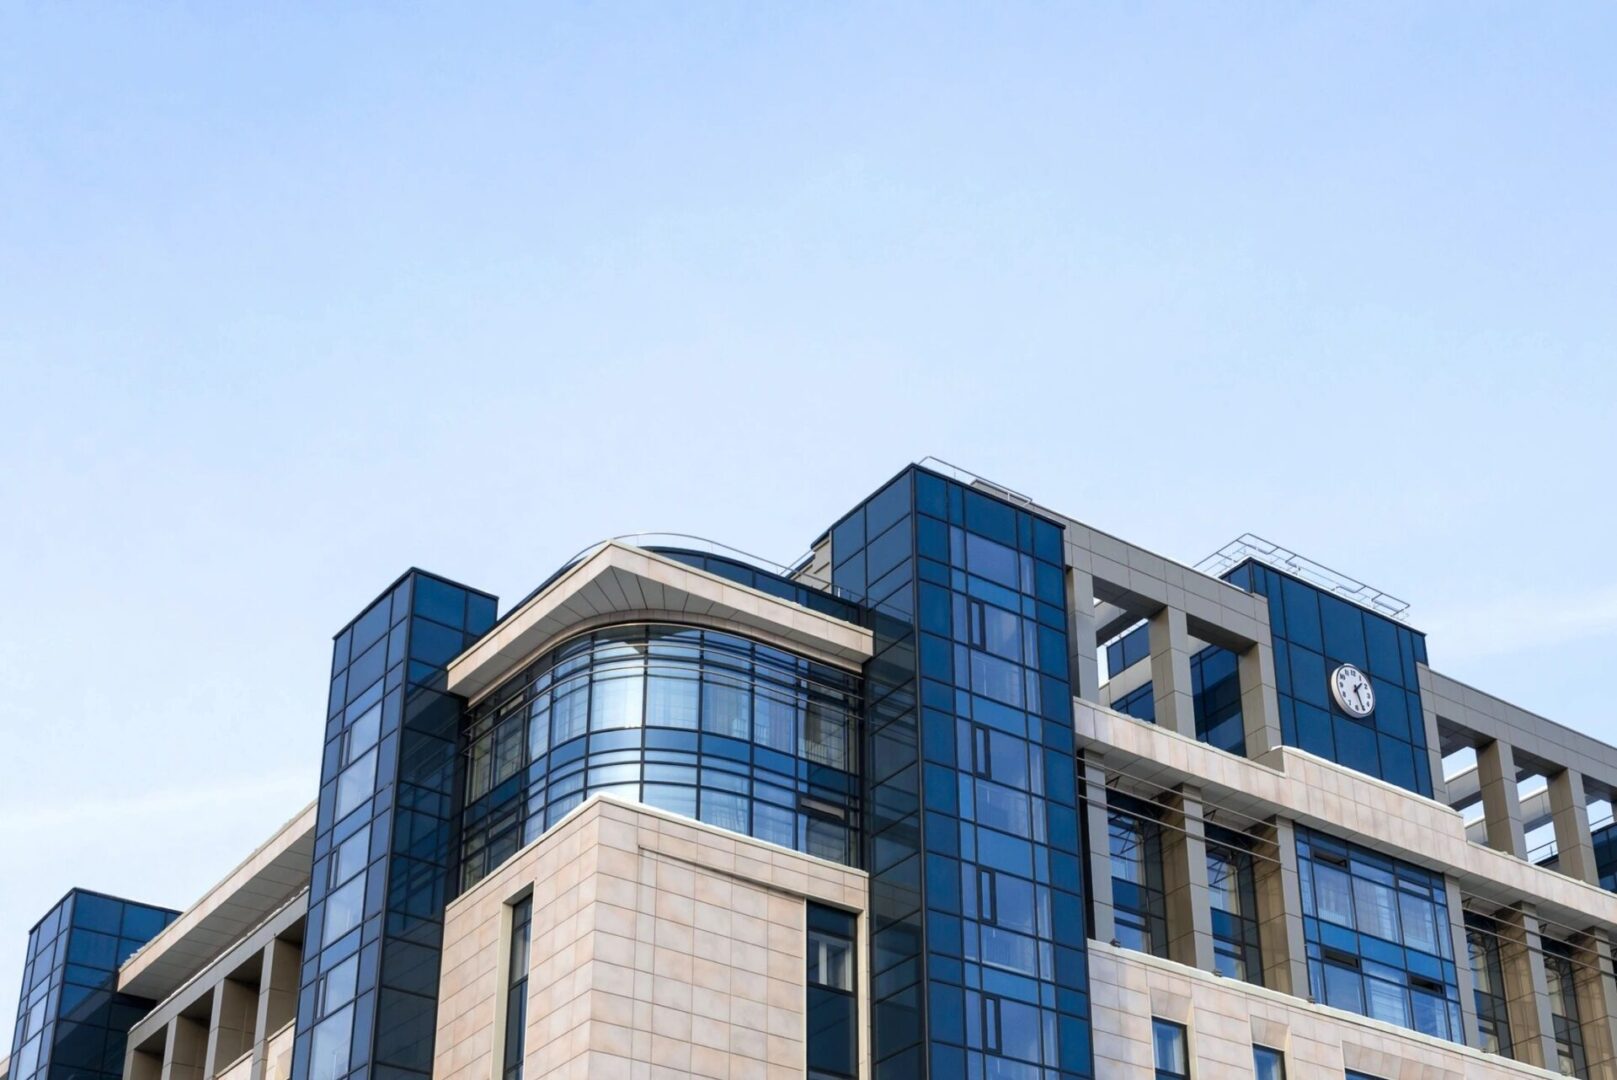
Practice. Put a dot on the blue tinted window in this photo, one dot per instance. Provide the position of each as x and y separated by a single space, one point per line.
1398 965
440 602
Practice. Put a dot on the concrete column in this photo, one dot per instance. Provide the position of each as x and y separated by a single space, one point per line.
277 1003
1260 701
1434 746
1501 807
1462 968
143 1066
1083 655
1597 1004
1280 909
1527 989
1569 810
185 1049
1170 671
1184 880
230 1030
1092 785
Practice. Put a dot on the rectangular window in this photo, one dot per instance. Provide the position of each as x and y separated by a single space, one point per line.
516 992
1487 975
1558 966
1268 1063
1398 966
1138 898
833 1033
1169 1052
1232 891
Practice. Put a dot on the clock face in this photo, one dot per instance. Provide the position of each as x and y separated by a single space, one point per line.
1351 690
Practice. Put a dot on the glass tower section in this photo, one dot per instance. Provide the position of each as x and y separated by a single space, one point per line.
1314 632
72 1023
384 840
978 917
709 725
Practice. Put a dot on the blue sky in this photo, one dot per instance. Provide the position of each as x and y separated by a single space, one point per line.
292 299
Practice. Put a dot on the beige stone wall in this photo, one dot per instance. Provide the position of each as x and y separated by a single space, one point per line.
1225 1018
661 948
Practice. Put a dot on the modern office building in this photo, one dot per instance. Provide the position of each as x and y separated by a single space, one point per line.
972 790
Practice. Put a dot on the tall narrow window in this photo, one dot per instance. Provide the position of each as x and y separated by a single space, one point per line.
832 1002
1169 1052
1233 898
1564 1008
1138 898
516 992
1487 975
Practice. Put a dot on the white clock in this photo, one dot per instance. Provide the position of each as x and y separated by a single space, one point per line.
1352 692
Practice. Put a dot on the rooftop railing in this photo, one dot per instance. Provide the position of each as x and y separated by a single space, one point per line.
1256 548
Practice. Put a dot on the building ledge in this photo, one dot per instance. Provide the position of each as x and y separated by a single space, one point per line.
618 584
249 894
1294 784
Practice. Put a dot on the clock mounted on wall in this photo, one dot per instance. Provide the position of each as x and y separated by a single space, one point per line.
1352 692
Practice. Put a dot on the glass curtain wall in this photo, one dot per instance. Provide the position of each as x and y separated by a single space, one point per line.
1314 632
384 835
1138 898
72 1023
978 943
1232 892
708 725
1487 973
1377 933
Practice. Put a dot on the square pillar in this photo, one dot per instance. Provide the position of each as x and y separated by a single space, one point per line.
1434 742
230 1030
278 987
185 1049
1280 909
1092 781
1170 671
1260 701
1462 968
1597 1004
1527 988
1569 810
143 1065
1501 806
1184 880
1084 656
277 1004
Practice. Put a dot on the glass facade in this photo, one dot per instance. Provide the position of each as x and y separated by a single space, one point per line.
1233 897
1378 937
1487 973
72 1023
1138 899
705 724
978 943
1558 964
384 835
1605 844
1315 632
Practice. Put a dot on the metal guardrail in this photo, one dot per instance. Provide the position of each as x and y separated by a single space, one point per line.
971 479
1256 548
690 542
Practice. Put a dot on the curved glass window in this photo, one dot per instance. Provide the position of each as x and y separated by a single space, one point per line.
708 725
